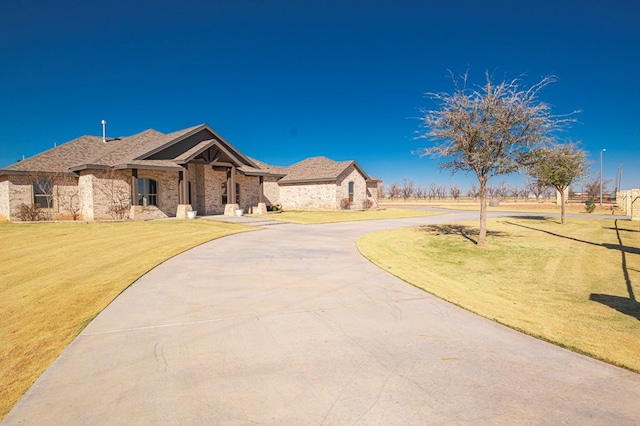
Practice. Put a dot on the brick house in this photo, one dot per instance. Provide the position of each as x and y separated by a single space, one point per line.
155 175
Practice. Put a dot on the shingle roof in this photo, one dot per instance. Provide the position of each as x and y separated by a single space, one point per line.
124 150
129 149
315 169
62 157
274 170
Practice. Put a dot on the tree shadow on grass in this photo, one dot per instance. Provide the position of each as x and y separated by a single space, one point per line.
464 231
623 305
628 306
538 218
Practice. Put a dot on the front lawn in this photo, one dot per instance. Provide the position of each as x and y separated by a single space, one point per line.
56 277
317 217
575 285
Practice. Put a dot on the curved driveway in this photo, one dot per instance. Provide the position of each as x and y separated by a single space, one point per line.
290 325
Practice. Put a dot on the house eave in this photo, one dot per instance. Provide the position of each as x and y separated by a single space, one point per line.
89 166
147 167
313 180
5 172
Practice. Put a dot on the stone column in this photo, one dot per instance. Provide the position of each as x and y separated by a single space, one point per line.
635 204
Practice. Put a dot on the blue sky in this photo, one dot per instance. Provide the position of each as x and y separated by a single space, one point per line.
285 80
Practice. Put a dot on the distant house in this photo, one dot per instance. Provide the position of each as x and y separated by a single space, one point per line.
155 175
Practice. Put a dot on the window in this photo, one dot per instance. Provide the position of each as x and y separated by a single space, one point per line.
43 193
351 192
224 193
147 192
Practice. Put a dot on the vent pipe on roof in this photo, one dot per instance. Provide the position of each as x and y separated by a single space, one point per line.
104 131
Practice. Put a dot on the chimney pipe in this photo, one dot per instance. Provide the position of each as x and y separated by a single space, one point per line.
104 131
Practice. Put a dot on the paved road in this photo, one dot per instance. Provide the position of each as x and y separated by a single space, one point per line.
290 325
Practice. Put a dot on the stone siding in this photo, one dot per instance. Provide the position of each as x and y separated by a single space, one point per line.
351 174
167 193
66 198
85 193
271 190
18 189
629 201
109 194
20 192
212 189
309 196
5 210
249 191
372 194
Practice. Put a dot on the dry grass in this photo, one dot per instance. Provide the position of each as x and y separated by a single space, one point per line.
543 207
574 285
317 217
57 277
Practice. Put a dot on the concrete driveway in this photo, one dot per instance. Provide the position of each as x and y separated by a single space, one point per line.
290 325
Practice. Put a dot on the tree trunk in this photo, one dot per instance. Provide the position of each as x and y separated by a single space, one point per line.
562 219
483 213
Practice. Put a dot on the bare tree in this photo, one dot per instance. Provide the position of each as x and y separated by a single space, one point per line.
407 189
472 192
490 130
432 190
535 188
393 191
420 193
381 191
502 190
559 167
592 186
454 191
514 192
524 193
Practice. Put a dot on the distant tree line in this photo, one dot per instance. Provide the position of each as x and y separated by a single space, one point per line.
531 190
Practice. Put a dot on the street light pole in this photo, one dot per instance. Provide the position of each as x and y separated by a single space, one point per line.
603 150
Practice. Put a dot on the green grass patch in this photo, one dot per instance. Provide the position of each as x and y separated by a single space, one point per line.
56 277
575 285
318 217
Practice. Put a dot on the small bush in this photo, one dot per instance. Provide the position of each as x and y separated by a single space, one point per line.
345 204
367 204
590 205
30 213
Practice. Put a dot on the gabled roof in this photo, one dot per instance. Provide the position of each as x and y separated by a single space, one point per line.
318 169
